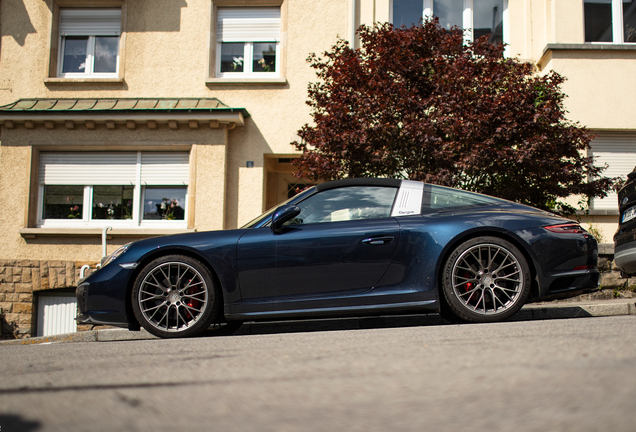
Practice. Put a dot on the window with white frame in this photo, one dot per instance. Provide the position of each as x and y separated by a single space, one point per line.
118 189
248 42
612 21
476 17
89 42
616 149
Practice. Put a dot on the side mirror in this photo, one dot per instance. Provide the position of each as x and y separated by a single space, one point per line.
282 215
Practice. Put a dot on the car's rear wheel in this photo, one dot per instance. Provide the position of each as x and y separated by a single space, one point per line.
485 279
175 296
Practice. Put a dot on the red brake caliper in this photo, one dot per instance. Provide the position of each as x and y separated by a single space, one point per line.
468 285
192 302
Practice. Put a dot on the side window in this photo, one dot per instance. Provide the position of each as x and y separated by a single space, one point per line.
248 42
89 42
476 17
436 199
611 21
345 204
119 189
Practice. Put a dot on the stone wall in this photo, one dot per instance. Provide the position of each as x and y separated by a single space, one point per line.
611 277
20 279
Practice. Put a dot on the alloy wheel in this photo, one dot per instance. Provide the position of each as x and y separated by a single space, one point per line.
173 296
487 279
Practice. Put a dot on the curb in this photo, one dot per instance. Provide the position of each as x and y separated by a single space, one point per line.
602 308
530 312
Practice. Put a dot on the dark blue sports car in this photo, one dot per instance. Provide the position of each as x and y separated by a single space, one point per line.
347 248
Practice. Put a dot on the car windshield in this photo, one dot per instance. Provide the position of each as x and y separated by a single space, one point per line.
259 221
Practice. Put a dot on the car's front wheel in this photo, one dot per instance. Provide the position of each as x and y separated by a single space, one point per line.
175 296
485 279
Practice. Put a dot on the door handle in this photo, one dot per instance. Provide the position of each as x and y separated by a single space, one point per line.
378 240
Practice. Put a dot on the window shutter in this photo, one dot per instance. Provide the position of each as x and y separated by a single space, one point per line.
88 168
90 22
248 25
165 168
618 150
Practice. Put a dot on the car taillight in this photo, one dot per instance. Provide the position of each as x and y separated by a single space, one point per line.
571 228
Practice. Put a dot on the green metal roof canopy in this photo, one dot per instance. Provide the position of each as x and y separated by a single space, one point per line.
181 110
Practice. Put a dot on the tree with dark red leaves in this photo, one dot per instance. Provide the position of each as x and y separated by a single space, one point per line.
418 103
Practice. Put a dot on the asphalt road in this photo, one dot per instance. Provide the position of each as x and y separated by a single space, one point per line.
559 375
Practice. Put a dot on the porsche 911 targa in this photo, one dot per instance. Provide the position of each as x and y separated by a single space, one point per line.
347 248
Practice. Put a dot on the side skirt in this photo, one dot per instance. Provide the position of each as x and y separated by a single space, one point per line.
419 306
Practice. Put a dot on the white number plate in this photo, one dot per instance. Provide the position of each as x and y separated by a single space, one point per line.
629 214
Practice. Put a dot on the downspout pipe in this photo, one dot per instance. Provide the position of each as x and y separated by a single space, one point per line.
352 27
104 231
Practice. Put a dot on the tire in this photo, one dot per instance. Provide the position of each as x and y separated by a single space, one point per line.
485 279
175 296
448 315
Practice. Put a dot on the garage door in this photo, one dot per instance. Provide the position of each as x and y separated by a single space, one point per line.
56 314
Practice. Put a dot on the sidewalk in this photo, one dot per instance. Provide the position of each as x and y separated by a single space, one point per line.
538 311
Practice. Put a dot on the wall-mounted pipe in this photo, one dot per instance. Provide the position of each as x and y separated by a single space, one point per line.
352 24
83 270
104 231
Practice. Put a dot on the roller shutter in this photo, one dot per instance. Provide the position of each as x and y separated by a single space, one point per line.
248 25
90 22
114 168
618 151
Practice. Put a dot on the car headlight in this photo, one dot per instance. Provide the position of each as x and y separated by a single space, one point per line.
108 259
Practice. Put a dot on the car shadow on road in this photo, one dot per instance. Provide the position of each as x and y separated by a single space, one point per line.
539 312
335 324
14 422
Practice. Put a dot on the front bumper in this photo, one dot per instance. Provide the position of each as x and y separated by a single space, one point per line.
101 297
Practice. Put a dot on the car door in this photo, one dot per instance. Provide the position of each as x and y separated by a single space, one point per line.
341 243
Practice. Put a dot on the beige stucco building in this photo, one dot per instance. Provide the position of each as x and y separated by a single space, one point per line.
138 118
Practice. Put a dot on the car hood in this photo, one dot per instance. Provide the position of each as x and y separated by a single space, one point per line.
189 241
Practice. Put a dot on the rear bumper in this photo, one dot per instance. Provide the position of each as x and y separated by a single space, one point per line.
570 284
625 257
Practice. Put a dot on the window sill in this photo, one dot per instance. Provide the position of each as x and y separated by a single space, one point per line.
30 233
87 80
584 47
590 46
245 81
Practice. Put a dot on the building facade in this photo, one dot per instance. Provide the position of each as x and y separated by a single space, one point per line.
123 119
